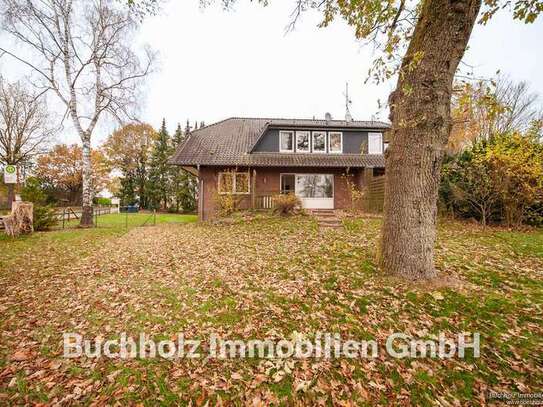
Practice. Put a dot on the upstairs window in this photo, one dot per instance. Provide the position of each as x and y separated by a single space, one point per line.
302 141
286 141
375 143
233 182
319 142
335 142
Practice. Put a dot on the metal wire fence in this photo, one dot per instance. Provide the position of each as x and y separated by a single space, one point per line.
70 217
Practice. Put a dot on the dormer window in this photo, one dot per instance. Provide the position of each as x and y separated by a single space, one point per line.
319 141
286 141
375 143
302 142
335 142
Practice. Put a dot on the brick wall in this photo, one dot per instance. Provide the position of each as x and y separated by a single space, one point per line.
268 182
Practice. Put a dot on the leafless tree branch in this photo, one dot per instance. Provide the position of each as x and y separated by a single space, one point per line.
81 50
25 125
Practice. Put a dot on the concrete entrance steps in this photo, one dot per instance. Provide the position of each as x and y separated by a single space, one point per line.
326 218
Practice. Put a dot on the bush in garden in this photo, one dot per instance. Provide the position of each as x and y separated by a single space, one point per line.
498 180
356 195
102 201
534 215
44 215
468 189
517 166
33 191
172 209
227 204
286 204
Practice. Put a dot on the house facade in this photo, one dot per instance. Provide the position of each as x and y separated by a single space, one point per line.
256 159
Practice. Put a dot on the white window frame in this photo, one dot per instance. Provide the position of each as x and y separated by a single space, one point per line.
330 133
313 141
297 174
221 174
248 183
292 134
306 133
233 192
281 174
380 135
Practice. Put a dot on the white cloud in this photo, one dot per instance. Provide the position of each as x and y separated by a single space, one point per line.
217 64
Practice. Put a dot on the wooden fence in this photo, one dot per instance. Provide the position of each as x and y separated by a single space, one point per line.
69 213
264 201
375 195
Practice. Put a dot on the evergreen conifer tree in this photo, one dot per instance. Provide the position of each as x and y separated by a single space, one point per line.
183 183
127 191
159 184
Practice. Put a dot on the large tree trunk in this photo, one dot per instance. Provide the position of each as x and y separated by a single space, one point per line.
86 213
21 219
141 190
421 122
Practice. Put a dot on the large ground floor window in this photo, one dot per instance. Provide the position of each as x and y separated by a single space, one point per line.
308 185
315 190
315 185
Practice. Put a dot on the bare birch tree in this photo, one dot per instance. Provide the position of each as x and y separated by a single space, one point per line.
81 51
25 127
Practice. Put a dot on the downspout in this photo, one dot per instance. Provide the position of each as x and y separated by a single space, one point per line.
200 194
253 189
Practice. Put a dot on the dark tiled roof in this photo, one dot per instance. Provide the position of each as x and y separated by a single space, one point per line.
229 142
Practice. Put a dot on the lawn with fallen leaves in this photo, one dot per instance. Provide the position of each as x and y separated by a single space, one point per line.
265 278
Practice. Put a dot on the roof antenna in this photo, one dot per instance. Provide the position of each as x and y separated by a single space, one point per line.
348 102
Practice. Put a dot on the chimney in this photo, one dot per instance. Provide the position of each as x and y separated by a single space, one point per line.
327 117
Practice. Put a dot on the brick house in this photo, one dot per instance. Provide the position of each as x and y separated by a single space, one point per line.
256 158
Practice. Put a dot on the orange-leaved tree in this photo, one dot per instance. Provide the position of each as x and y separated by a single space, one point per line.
60 170
128 150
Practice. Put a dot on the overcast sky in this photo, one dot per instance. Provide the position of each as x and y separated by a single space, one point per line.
216 64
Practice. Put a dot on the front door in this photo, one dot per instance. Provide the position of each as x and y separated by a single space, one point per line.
316 191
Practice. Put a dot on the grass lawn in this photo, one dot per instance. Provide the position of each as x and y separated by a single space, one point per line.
130 220
72 243
268 278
